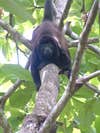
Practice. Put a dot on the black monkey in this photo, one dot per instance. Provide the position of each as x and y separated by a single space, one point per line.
48 46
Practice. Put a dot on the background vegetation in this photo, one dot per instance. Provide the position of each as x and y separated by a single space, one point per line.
82 113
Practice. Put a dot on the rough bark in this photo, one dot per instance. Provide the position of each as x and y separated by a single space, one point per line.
45 101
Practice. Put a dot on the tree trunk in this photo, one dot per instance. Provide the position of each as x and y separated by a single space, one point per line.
45 101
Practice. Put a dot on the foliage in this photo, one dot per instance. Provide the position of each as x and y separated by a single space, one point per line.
82 113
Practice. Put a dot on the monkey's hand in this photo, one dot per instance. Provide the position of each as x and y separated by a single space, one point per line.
65 72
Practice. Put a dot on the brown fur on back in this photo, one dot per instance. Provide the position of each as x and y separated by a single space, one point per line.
49 28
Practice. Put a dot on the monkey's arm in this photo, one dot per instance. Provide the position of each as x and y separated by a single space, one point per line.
65 62
34 69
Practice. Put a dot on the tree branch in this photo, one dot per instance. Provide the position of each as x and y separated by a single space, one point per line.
89 41
16 36
84 81
70 87
93 48
93 88
68 31
45 101
62 10
90 76
3 122
4 98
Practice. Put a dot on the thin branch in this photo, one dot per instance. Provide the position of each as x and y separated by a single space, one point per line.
84 81
89 22
70 87
16 35
66 11
4 98
38 7
17 52
93 48
4 123
93 40
82 44
68 31
62 10
89 41
93 88
22 51
90 76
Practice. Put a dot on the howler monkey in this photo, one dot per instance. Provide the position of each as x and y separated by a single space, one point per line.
48 46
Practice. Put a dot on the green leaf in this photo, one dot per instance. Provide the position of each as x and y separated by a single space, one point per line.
16 118
1 130
7 50
86 116
89 130
17 8
97 124
38 14
84 93
69 129
96 106
40 2
21 97
67 113
13 72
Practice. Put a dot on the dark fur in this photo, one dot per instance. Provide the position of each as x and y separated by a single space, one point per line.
49 46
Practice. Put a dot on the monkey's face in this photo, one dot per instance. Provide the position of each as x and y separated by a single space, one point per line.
47 48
